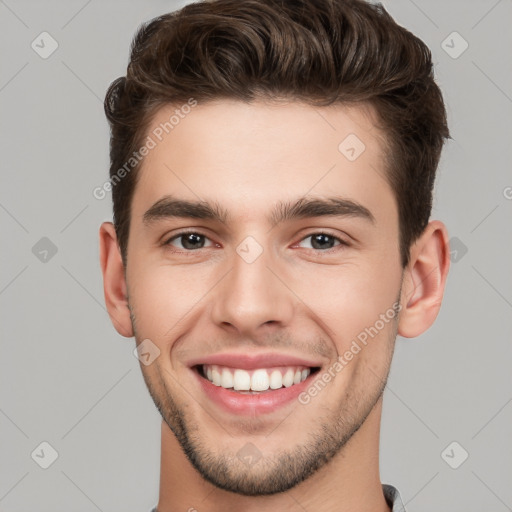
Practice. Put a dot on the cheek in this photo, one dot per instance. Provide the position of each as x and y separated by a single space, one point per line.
350 298
163 295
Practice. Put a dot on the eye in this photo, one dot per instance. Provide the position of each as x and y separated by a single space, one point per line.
189 241
323 241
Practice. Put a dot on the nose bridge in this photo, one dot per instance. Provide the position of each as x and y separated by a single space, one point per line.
251 294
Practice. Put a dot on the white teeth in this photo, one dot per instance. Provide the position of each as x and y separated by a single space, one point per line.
255 380
276 380
227 378
241 381
288 378
260 380
216 376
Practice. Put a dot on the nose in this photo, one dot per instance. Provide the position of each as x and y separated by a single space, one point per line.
253 296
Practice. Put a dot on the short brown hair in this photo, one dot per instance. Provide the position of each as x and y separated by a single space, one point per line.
321 52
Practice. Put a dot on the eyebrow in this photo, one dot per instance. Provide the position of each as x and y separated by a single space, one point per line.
171 207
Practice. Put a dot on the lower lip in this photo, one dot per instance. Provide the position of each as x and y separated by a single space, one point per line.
247 404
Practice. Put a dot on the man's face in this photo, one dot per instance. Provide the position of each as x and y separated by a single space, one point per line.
298 292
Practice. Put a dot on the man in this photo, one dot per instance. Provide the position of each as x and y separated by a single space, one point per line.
272 167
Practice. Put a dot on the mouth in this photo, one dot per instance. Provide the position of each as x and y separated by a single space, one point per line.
253 390
261 380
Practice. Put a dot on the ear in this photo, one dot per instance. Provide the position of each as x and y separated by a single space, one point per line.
114 282
424 280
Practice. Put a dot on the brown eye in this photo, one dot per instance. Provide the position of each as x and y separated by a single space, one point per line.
189 241
323 241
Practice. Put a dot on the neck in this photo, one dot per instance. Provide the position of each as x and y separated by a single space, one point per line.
350 481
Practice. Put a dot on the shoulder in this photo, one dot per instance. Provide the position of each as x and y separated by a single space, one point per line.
391 494
393 498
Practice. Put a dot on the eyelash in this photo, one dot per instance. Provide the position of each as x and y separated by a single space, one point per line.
341 241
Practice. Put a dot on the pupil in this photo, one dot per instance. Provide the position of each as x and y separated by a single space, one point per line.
320 239
189 240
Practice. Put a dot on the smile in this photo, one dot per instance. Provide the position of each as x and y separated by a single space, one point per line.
255 381
253 387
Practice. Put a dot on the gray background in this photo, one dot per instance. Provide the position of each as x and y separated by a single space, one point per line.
67 377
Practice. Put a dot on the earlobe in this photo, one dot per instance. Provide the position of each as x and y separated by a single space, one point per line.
114 282
424 281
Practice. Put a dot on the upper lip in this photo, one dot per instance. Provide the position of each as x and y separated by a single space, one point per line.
252 362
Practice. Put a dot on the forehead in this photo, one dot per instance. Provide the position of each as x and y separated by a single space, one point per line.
246 156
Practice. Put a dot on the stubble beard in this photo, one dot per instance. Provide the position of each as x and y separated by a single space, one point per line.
268 475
